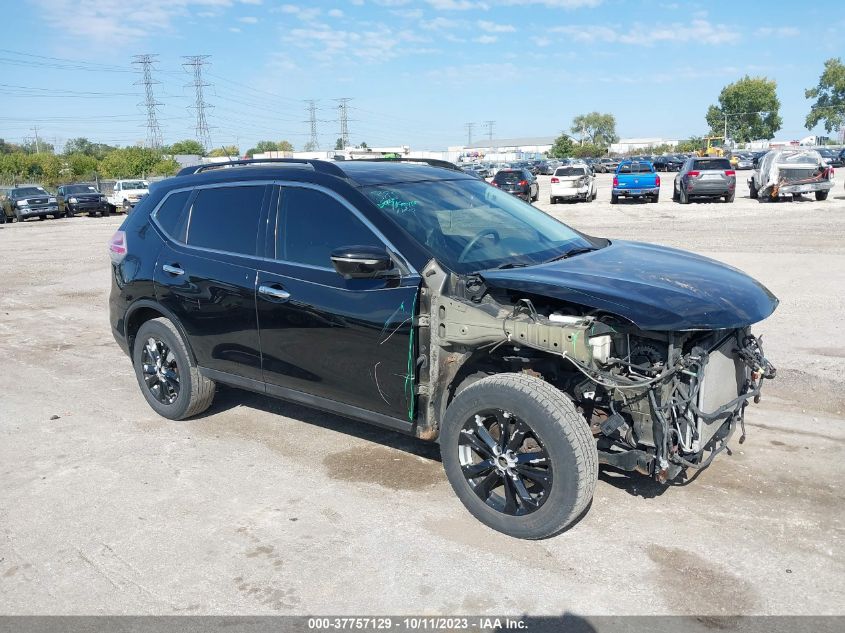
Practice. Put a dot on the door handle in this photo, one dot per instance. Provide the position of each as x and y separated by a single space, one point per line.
173 270
274 293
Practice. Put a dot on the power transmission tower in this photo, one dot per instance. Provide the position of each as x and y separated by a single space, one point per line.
313 142
194 65
145 64
343 116
490 125
37 142
469 127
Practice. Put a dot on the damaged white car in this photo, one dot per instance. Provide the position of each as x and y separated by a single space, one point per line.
791 172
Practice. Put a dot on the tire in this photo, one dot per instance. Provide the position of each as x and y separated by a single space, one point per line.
542 422
655 198
683 198
42 218
752 190
108 211
674 194
552 200
18 216
126 207
730 197
614 198
821 195
194 391
595 193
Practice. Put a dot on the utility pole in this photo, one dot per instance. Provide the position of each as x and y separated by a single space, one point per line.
145 63
343 116
490 125
469 127
34 128
194 65
313 141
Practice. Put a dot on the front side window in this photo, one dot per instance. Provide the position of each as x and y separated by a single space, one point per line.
226 218
312 224
469 225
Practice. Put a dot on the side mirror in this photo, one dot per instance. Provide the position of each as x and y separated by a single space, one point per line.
361 262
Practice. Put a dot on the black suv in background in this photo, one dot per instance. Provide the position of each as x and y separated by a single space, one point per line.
29 201
81 198
519 182
421 299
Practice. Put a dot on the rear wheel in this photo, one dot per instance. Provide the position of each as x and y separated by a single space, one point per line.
730 197
614 198
170 382
552 200
752 190
821 195
683 198
519 455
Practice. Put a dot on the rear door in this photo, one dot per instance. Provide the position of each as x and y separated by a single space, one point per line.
206 272
345 340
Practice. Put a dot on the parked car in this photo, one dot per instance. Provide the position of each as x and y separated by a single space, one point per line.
420 299
606 164
573 182
29 201
705 178
791 172
81 198
668 163
519 182
634 179
127 193
742 161
545 168
829 157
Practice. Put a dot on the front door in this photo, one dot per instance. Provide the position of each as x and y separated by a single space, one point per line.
349 341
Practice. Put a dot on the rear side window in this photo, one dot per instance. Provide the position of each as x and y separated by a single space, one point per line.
171 217
313 224
719 164
226 219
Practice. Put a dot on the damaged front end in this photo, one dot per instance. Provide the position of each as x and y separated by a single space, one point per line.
657 402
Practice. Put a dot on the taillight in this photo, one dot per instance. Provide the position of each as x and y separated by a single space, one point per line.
730 172
693 174
555 180
494 183
615 181
117 246
657 181
523 183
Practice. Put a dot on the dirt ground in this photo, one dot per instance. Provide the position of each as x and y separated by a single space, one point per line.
263 507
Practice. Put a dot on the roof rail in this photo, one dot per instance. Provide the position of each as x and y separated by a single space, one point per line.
323 166
434 162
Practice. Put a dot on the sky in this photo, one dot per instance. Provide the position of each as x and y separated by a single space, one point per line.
416 72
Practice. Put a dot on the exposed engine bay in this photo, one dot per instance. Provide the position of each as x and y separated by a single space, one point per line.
657 402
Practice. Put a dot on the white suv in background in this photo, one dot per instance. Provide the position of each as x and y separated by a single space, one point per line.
573 182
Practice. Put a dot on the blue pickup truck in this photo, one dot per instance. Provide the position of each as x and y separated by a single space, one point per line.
635 179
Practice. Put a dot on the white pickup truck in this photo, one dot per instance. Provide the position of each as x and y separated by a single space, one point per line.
127 193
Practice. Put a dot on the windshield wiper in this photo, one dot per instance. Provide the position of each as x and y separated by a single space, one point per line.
511 265
572 253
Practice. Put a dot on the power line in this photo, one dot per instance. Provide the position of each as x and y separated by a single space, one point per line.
145 63
469 127
313 141
490 125
196 62
343 115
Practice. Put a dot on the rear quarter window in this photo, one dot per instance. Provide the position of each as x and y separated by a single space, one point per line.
171 216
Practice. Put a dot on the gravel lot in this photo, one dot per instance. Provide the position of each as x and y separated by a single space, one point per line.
262 507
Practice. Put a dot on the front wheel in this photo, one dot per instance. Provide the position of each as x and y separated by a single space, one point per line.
752 191
519 455
170 382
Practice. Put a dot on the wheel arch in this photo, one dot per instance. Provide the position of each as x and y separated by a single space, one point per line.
145 310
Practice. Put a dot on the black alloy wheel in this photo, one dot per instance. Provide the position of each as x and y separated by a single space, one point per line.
161 371
504 462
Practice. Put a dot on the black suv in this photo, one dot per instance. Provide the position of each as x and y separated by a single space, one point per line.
421 299
81 197
519 182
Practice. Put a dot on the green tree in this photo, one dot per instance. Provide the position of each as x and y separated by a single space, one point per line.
562 147
830 97
31 147
338 144
588 150
284 146
595 128
135 162
363 145
752 108
9 148
79 165
188 146
82 145
691 144
225 151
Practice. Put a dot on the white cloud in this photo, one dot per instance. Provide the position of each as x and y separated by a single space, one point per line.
638 34
248 19
456 5
335 13
556 4
542 41
486 39
372 43
492 27
778 31
250 1
234 29
439 24
306 14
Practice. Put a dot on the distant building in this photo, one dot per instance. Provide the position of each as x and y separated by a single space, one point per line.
625 145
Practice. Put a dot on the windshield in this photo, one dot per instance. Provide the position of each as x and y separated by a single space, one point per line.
570 171
29 191
135 184
80 189
469 225
508 177
635 168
